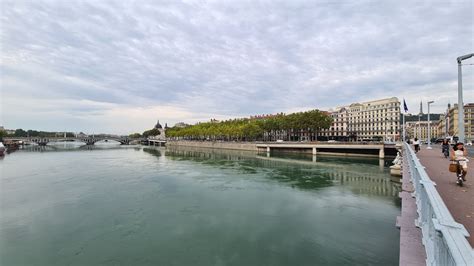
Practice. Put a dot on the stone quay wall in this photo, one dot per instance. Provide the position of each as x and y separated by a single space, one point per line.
246 146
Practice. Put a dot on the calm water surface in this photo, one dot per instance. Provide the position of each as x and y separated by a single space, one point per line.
139 206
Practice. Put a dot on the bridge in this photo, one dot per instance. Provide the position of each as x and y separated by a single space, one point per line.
88 140
436 219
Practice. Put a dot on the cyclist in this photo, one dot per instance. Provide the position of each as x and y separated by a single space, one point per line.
416 143
445 148
459 153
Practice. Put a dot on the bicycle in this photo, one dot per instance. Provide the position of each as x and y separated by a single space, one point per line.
445 151
459 172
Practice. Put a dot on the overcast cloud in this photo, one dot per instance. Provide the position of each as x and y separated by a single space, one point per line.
117 66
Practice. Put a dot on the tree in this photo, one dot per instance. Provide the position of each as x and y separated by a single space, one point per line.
135 136
151 132
20 133
290 126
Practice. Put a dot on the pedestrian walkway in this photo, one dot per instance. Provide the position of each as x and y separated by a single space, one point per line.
459 200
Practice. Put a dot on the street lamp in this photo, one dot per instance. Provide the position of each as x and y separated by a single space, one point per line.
429 126
460 100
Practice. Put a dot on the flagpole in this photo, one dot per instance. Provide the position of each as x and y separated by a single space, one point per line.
403 140
405 109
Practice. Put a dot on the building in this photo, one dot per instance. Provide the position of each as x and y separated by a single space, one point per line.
442 126
366 121
181 125
338 129
469 122
448 124
419 129
162 135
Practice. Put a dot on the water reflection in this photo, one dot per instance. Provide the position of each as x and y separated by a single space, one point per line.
361 175
156 206
76 147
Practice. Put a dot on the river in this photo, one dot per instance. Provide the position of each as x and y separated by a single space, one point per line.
119 205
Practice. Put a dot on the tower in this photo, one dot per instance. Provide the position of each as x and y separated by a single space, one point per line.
421 107
158 125
162 130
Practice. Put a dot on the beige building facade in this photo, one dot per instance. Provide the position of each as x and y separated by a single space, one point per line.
448 124
372 120
419 129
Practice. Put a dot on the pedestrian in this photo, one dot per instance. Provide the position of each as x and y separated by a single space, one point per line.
416 143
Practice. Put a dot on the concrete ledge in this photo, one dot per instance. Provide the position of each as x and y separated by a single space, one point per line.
247 146
412 251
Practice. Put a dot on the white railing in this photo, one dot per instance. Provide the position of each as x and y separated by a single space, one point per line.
444 239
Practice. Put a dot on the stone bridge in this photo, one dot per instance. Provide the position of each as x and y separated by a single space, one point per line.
88 140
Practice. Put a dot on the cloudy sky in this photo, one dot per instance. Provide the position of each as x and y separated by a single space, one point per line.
117 66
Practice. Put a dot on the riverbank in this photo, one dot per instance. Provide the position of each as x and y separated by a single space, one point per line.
337 149
245 146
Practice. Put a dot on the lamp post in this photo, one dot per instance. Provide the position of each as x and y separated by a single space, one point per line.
460 100
419 126
429 127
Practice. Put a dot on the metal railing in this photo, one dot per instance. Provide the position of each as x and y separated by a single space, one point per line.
444 239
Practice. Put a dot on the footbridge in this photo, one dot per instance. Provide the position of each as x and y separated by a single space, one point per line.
436 218
88 140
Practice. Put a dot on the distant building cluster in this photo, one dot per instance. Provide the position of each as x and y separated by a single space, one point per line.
181 125
264 116
446 126
382 120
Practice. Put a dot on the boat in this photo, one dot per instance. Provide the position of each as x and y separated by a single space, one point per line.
2 149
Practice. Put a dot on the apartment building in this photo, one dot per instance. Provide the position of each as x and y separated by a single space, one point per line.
419 129
449 122
373 120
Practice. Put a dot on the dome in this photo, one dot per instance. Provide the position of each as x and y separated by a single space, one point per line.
158 125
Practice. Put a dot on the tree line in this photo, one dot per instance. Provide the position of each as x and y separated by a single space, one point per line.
34 133
293 126
145 134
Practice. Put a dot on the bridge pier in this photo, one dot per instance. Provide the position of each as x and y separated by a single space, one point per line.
314 151
89 141
381 153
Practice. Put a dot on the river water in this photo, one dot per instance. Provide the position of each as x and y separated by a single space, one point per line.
114 205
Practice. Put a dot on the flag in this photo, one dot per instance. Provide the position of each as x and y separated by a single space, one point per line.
405 107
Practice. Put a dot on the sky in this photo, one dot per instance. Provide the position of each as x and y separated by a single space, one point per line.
118 66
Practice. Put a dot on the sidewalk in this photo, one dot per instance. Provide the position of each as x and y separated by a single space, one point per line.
459 200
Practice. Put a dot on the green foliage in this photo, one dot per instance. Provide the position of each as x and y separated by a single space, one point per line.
151 132
35 133
20 133
268 128
135 136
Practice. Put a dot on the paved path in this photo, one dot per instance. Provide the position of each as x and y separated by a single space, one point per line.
459 200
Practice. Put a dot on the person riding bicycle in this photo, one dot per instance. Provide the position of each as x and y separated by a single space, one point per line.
416 143
445 148
459 153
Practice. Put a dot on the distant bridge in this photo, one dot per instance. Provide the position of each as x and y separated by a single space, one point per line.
88 140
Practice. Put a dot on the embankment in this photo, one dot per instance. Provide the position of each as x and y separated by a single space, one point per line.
246 146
